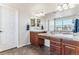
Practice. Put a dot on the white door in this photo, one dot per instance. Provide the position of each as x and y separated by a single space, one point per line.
8 37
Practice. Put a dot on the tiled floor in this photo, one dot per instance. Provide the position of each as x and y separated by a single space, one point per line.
27 50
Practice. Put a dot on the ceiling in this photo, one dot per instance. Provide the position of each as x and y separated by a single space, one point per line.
35 7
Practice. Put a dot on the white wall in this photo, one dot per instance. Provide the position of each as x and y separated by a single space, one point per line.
24 35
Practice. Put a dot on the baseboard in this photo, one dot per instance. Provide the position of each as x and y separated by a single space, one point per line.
8 49
23 45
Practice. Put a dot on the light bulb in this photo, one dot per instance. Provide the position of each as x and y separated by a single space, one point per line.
71 5
59 8
65 6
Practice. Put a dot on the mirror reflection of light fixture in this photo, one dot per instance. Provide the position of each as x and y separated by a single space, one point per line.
39 15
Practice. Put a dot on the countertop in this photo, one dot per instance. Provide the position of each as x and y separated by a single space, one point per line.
60 35
37 30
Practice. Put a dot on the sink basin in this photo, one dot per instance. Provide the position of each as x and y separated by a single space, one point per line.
64 35
37 30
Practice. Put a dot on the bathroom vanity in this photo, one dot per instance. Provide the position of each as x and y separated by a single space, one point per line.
62 44
34 38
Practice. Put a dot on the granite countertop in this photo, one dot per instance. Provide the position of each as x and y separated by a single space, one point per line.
60 35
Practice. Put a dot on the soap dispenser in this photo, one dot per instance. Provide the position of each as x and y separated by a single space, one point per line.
27 27
42 27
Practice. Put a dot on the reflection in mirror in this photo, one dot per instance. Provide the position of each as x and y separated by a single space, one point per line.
64 24
51 26
67 24
58 25
33 22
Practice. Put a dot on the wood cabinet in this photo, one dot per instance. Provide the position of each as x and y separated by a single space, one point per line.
55 50
55 46
64 46
34 39
69 47
58 46
69 50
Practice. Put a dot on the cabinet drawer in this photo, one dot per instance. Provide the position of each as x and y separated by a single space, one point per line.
55 50
35 40
34 37
69 50
55 43
55 39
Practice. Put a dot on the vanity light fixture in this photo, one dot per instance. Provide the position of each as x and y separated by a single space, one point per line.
59 8
65 6
38 13
71 5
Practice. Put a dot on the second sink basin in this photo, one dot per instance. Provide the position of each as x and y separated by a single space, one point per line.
64 35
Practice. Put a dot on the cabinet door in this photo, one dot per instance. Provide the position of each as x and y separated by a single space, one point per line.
33 38
68 50
55 50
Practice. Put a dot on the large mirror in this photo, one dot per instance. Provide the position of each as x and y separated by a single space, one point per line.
64 24
35 22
